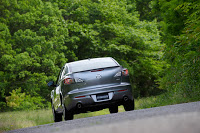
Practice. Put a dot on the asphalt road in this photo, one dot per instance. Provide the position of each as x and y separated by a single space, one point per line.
180 118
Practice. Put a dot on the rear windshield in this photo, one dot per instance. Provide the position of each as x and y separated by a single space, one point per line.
90 64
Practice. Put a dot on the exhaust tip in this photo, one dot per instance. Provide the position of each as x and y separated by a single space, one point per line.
79 105
125 98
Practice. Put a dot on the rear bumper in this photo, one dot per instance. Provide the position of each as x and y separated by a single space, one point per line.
88 101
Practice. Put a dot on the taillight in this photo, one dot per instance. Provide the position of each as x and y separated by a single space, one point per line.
68 81
125 72
80 97
97 70
122 90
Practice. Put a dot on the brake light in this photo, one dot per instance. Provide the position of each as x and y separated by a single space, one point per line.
122 90
96 70
68 81
80 97
125 72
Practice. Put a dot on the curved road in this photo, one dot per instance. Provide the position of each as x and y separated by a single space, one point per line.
180 118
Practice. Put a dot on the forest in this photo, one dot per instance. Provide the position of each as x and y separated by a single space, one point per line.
157 40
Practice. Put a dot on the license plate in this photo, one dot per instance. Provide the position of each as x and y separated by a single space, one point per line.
102 97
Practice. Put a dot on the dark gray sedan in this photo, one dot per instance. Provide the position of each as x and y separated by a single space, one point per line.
90 85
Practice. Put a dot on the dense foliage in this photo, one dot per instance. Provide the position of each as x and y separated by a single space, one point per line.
179 21
37 37
183 76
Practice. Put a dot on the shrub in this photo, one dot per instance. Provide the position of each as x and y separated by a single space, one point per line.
22 101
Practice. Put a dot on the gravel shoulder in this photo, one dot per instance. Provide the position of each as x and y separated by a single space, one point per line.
173 118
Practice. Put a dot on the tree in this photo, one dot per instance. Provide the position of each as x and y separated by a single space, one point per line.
39 37
182 77
111 28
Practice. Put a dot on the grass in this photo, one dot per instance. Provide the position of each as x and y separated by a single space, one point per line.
21 119
102 112
164 99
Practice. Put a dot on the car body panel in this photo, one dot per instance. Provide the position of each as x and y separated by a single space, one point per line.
90 79
89 101
106 83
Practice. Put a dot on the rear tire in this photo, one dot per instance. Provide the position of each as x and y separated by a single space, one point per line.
113 109
68 115
56 116
129 105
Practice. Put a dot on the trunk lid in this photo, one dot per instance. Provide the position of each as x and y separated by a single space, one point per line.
98 77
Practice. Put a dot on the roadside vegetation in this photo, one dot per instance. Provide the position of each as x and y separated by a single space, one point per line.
157 40
22 119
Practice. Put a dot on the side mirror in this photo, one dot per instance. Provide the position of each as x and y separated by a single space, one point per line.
51 84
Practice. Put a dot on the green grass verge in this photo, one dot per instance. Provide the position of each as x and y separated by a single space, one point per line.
164 99
21 119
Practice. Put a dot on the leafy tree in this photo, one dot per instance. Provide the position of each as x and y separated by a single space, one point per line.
32 48
108 28
38 37
182 77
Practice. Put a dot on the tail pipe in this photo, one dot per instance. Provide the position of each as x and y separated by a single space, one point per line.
125 99
79 105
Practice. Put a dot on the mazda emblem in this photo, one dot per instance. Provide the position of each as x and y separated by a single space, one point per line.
98 76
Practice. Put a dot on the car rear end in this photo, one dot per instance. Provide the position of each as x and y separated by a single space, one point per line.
95 84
